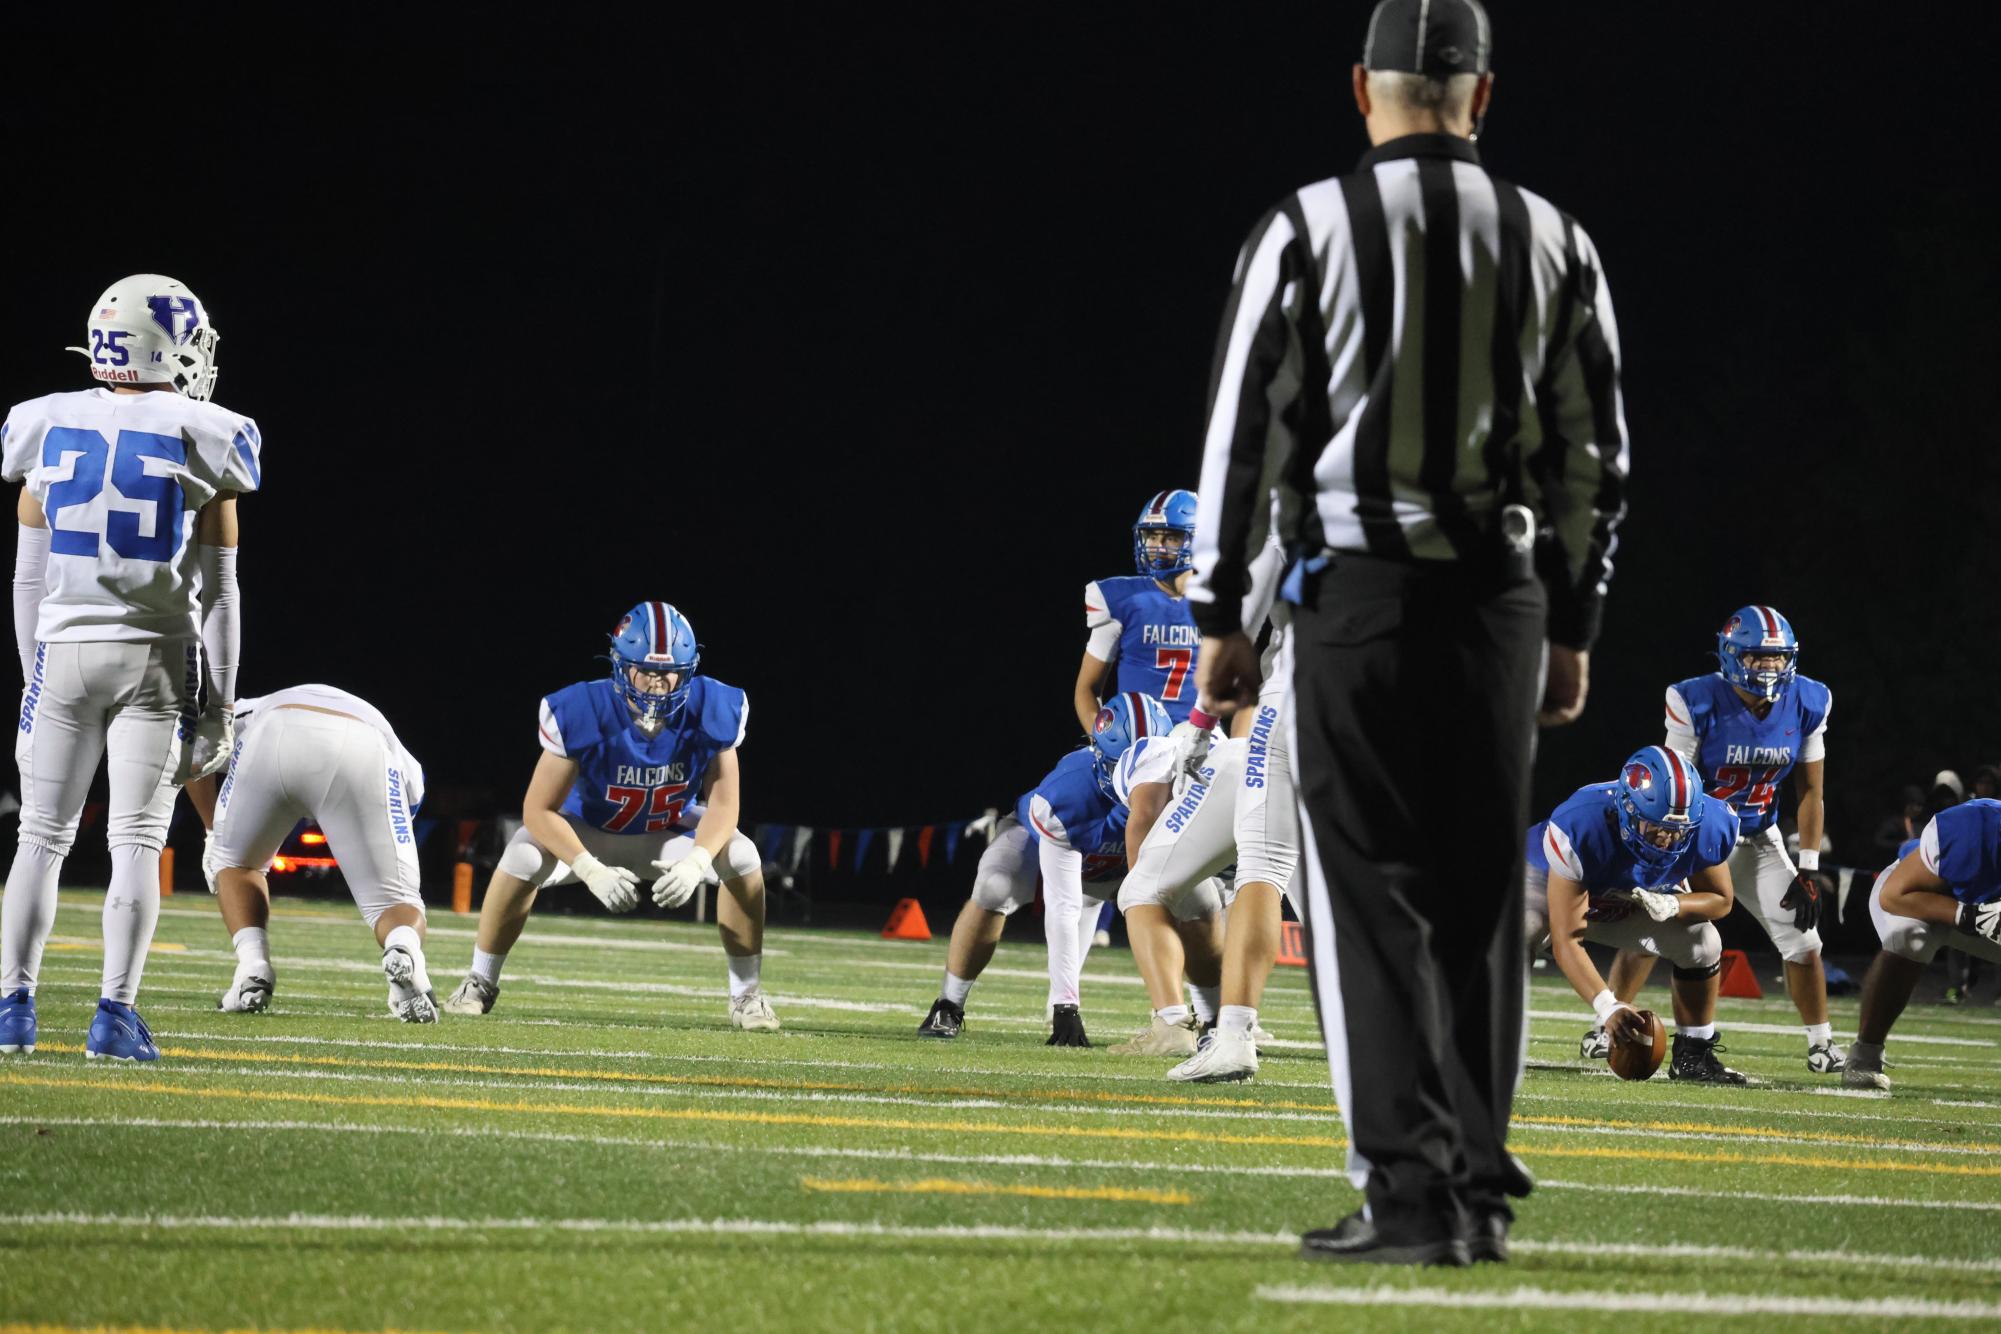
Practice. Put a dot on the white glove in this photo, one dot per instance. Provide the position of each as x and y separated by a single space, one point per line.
211 863
680 880
1191 747
615 887
209 750
1662 907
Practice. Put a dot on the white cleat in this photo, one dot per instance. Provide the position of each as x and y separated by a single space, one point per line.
1854 1076
474 996
1594 1046
1223 1058
752 1013
407 1001
1258 1034
1159 1038
1826 1058
250 992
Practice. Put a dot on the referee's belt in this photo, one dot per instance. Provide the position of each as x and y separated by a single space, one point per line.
1513 545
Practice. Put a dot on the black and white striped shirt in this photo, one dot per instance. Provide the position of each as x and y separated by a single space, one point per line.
1408 349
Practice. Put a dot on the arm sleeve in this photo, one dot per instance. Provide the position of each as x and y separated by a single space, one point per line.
549 733
1680 726
1928 846
1265 573
221 622
1062 913
1104 627
1580 471
1255 382
1048 825
1563 858
31 567
1815 745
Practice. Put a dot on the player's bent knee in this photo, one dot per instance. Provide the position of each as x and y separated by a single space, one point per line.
1702 955
740 859
1803 948
1908 938
1138 892
1000 894
525 860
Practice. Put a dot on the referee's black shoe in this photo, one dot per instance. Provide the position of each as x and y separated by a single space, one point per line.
1487 1221
1066 1027
1694 1060
944 1021
1356 1240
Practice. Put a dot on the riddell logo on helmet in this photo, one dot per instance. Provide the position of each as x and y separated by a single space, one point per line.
1639 777
118 375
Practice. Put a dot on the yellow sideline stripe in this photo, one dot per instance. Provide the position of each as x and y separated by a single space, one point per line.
172 1329
430 1102
714 1081
434 1103
942 1186
1752 1132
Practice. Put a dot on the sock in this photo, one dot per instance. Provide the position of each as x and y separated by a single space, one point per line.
131 909
252 945
1702 1031
1819 1035
956 988
406 938
1238 1019
1865 1055
487 965
1175 1015
1205 999
743 973
27 915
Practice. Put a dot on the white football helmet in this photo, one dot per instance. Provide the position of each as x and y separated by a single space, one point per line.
149 329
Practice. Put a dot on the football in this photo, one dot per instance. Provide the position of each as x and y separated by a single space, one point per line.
1639 1060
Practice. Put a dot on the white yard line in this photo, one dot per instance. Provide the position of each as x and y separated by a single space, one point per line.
1774 1197
1669 1303
1729 1026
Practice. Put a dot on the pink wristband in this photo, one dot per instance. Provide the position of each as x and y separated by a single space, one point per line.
1201 719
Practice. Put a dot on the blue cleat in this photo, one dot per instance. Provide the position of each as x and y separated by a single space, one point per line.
119 1032
17 1024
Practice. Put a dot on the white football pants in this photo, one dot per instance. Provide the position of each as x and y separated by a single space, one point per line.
1918 941
525 859
1762 871
1692 947
304 764
1005 883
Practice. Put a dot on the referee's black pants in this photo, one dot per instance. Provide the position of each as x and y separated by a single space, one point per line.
1415 688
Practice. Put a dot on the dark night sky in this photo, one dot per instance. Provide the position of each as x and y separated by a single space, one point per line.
864 344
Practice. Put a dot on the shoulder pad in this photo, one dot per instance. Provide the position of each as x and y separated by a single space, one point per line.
1717 837
723 711
1816 702
577 714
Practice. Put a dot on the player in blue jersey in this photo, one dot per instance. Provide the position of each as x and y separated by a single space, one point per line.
638 776
1069 828
1945 889
1746 726
1639 863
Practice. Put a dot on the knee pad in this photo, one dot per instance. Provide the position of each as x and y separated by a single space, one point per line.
524 859
1138 892
1801 947
740 858
1705 954
1202 899
997 891
1908 938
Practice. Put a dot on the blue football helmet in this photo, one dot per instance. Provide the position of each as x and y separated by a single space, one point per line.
1172 512
1658 790
1758 630
653 637
1126 717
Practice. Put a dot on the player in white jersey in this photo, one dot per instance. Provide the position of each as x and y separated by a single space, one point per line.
315 752
126 621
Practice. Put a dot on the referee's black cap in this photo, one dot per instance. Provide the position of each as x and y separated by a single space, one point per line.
1434 37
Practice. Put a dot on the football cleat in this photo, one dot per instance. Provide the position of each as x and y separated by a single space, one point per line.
1221 1059
250 992
475 995
1594 1046
944 1021
119 1034
1826 1058
1694 1060
752 1013
406 1000
1953 996
1101 939
17 1024
1066 1027
1260 1034
1159 1038
1854 1076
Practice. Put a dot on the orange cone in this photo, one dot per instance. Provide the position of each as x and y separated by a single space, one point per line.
906 922
166 872
1738 979
1291 945
462 887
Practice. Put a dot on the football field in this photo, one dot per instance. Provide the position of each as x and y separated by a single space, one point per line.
603 1153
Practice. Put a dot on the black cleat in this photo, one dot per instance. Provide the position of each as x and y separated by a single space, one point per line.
1066 1028
1694 1060
944 1021
1356 1240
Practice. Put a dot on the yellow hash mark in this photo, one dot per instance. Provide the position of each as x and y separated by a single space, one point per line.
715 1081
1754 1132
432 1102
942 1186
97 947
166 1329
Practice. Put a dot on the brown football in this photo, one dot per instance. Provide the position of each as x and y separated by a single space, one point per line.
1639 1060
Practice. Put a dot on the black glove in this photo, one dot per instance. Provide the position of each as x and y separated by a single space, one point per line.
1981 919
1803 897
1066 1028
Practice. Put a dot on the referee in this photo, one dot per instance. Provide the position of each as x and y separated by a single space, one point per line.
1418 381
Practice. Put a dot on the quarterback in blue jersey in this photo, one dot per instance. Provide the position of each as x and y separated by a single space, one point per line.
1140 622
1746 727
1070 829
1945 889
1639 863
638 776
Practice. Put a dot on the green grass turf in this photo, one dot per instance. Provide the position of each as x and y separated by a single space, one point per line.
603 1153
